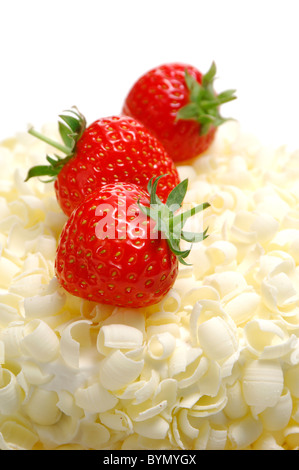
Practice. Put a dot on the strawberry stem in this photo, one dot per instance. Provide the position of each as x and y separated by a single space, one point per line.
72 124
49 141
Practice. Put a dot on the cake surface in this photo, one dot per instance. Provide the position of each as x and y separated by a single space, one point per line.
215 365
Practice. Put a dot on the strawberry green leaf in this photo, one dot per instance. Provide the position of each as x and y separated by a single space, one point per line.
204 103
153 190
177 195
190 111
194 87
194 237
225 97
41 170
175 249
182 218
170 223
65 134
74 128
209 76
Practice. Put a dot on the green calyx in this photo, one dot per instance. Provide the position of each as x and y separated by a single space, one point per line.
171 223
204 102
71 127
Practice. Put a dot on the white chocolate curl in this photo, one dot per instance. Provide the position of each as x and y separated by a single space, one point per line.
262 383
36 410
10 393
95 399
40 341
112 337
117 370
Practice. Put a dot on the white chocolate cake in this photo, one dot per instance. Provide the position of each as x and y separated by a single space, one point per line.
214 366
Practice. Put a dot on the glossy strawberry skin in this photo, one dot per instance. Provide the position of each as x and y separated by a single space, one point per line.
155 99
113 149
126 269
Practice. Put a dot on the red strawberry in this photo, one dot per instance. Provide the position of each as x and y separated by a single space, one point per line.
108 251
179 106
112 149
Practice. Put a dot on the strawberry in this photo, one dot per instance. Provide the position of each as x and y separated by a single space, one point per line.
120 246
112 149
179 106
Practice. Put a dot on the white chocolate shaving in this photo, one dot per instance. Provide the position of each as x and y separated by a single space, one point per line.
117 336
262 383
34 375
22 436
277 417
244 432
243 307
10 393
216 338
40 341
62 432
11 338
117 370
147 388
93 435
153 428
161 346
267 340
95 399
217 439
44 305
36 410
69 345
117 421
236 407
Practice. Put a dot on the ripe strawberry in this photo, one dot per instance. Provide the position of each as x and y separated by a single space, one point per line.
110 252
179 106
112 149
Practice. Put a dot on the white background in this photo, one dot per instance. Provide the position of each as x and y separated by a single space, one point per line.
55 54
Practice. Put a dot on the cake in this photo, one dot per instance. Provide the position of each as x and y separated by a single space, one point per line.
213 366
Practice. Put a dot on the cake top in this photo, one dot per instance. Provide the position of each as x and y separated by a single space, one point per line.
214 364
